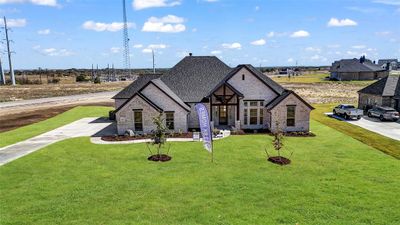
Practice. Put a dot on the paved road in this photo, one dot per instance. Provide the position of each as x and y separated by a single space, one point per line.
79 128
61 100
388 129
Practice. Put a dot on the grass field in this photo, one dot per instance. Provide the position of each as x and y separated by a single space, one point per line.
314 79
334 179
23 133
380 142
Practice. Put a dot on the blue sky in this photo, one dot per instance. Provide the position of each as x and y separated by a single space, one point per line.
78 33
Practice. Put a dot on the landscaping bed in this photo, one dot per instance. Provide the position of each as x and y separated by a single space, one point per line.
117 138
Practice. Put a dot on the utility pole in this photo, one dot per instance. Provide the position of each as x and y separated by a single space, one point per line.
2 76
9 53
154 65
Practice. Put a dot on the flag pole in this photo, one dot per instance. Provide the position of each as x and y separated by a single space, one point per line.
212 147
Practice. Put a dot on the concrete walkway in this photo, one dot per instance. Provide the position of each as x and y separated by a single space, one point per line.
80 128
386 128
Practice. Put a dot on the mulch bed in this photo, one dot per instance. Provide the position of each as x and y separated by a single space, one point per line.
279 160
160 158
129 138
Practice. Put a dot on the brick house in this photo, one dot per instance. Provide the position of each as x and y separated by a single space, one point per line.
237 98
384 92
356 69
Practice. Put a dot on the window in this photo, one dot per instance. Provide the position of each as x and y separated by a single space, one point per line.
138 120
253 116
291 116
253 112
245 115
169 120
243 77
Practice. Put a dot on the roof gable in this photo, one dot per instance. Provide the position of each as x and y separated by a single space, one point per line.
278 89
283 96
386 87
148 101
167 91
194 76
135 86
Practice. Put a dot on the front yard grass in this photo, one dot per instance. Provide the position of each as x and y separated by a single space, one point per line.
380 142
26 132
334 179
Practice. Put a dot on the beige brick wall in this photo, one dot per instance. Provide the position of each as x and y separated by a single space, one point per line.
167 104
125 118
368 99
302 119
252 89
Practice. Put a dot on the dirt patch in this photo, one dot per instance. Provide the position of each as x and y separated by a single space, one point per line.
23 118
280 160
160 158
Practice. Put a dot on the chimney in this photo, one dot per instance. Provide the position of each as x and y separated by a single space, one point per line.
362 59
190 54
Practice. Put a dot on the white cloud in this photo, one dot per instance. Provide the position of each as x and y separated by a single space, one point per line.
318 58
359 46
16 22
257 8
300 34
290 60
157 46
388 2
383 33
216 52
115 50
53 51
144 4
166 24
334 22
271 34
147 50
259 42
35 2
99 27
152 47
313 49
138 46
44 32
235 45
210 0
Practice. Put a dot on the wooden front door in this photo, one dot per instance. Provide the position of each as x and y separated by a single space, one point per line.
223 115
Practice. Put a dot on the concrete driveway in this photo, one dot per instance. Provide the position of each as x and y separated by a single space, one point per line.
80 128
388 129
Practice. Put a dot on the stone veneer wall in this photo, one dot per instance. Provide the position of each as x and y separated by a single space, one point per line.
279 113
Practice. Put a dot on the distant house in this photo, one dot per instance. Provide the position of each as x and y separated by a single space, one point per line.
236 98
356 69
385 92
389 64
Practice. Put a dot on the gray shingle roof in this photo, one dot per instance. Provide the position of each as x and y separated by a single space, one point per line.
387 87
354 65
381 62
194 76
170 93
282 97
135 86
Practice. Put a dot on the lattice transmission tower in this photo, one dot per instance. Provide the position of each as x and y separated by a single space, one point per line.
126 53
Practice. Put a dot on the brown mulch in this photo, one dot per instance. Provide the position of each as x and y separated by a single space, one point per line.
160 158
20 119
129 138
280 160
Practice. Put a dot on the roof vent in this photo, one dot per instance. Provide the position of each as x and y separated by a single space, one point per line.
190 54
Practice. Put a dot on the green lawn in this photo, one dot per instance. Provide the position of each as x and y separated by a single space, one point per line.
317 78
380 142
334 179
26 132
